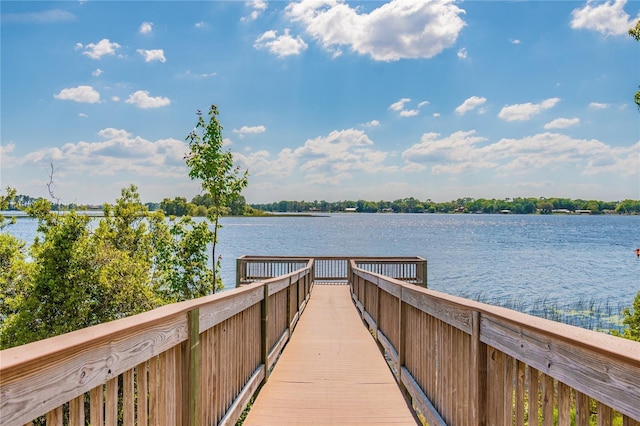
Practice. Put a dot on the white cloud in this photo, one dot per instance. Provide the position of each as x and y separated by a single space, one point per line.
453 154
514 41
399 106
409 113
118 152
598 105
258 7
608 18
152 55
470 104
84 94
465 151
100 49
260 163
423 103
115 99
436 114
6 149
462 53
141 99
245 130
146 27
372 123
97 73
340 152
111 133
200 24
523 112
562 123
190 74
400 29
282 46
327 159
82 114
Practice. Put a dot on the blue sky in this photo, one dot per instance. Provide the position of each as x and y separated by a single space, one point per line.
324 99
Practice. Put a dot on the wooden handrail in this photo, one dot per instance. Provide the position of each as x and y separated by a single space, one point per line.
465 362
174 354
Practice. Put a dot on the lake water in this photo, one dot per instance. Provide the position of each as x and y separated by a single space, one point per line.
506 258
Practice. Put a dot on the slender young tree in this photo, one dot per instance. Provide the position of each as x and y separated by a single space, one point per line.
213 166
635 33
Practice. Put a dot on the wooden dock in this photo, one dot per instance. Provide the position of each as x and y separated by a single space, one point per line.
331 373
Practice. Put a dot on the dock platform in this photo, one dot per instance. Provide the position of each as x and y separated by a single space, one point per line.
332 372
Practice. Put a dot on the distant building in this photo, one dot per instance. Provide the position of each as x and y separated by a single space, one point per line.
505 211
583 211
351 209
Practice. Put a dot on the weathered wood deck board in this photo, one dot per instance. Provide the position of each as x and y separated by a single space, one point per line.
331 372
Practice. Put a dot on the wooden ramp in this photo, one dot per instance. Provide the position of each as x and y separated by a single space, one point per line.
331 372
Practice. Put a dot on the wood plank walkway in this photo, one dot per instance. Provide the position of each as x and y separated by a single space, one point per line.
331 372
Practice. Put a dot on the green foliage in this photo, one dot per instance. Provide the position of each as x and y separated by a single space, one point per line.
182 262
15 275
176 207
82 273
631 320
220 180
4 205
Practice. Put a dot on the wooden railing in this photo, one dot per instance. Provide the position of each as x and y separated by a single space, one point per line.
331 269
199 362
467 363
196 362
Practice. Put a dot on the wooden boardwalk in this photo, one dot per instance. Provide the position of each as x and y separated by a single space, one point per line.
331 372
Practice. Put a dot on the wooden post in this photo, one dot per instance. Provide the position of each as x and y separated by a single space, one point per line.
289 305
401 341
265 332
478 374
377 317
424 272
238 273
191 371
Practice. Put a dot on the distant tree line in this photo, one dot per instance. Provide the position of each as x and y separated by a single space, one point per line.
461 205
200 206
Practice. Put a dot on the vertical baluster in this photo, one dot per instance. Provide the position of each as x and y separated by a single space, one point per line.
520 389
547 400
534 390
128 406
605 415
111 402
54 417
141 381
583 412
96 406
76 411
564 404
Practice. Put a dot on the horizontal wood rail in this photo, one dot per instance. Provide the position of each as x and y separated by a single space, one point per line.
195 362
330 269
468 363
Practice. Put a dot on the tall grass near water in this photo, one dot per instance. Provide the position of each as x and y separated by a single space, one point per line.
598 315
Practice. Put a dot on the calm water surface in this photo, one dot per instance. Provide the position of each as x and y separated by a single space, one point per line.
516 257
